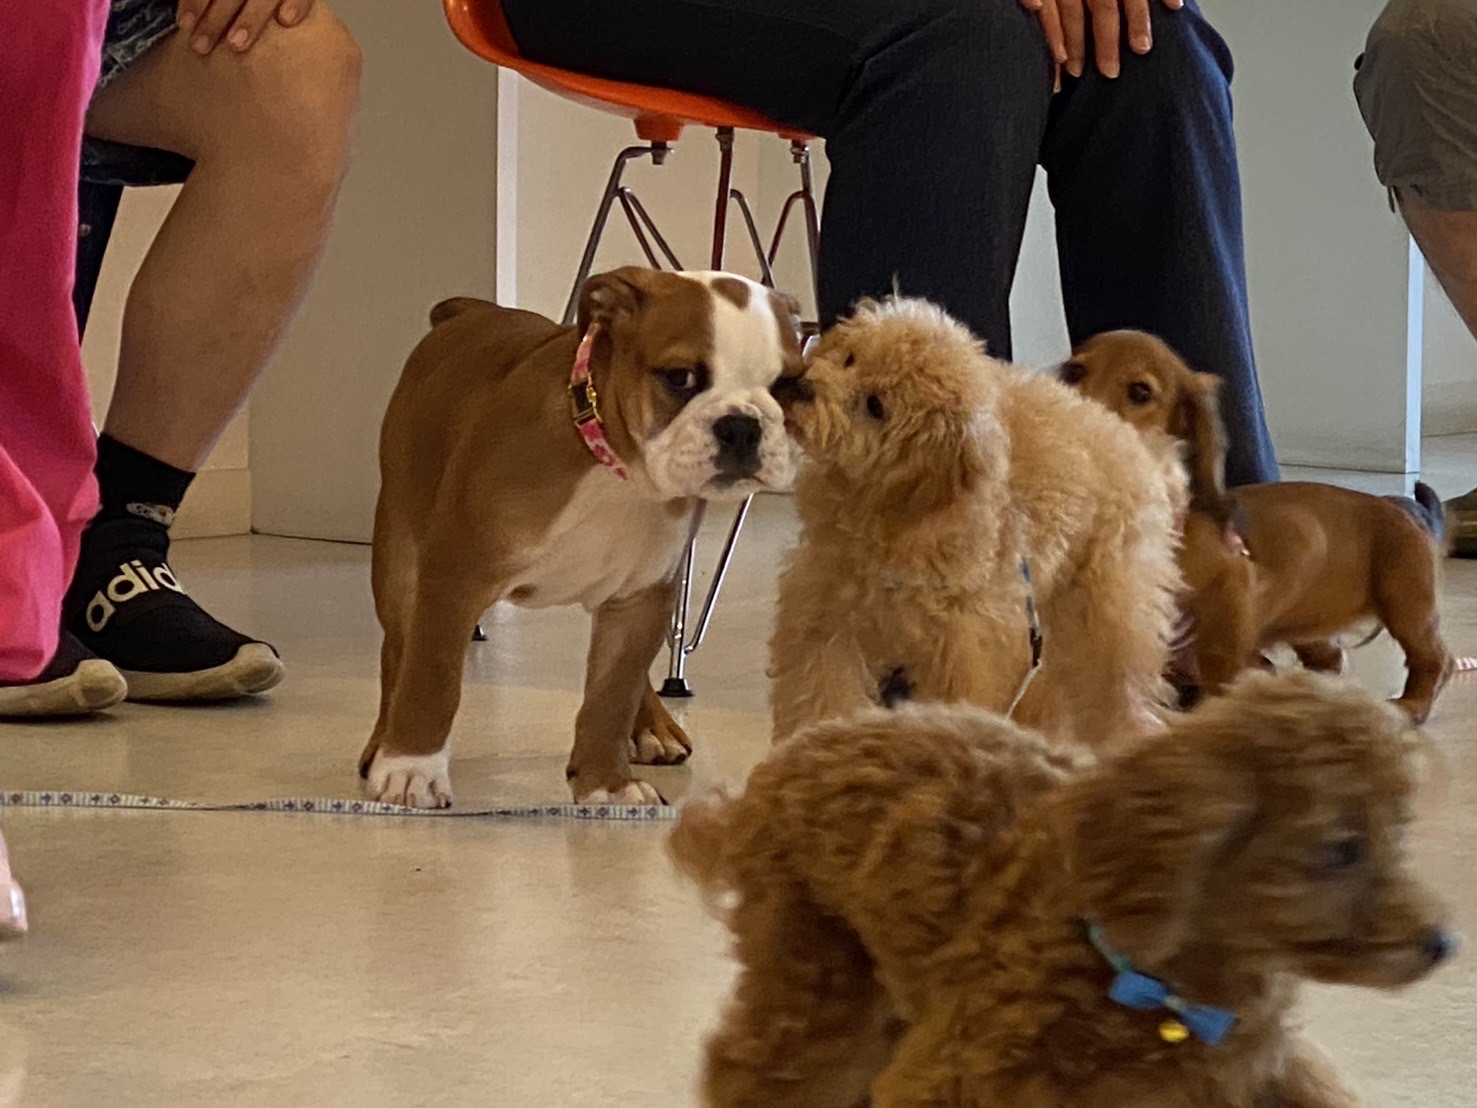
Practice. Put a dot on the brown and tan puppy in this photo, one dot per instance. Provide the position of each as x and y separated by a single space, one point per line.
1294 562
911 895
505 478
934 476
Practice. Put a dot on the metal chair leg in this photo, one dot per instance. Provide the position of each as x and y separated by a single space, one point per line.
646 231
766 274
719 574
725 187
805 197
800 152
676 686
679 644
676 683
657 151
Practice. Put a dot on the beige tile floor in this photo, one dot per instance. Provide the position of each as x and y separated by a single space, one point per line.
254 959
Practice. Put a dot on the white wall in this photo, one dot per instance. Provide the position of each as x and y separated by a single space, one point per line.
1328 261
1449 400
415 225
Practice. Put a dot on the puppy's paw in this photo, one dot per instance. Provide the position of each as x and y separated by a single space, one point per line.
1418 709
411 780
657 739
633 792
661 742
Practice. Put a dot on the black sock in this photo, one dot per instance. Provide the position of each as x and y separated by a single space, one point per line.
125 603
130 482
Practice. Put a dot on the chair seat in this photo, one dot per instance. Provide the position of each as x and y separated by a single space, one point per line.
659 113
112 163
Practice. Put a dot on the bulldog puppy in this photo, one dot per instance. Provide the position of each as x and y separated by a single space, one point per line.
542 464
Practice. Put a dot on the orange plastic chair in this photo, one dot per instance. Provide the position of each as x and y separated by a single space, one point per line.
659 116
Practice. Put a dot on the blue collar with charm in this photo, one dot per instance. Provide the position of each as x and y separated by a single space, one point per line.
1143 993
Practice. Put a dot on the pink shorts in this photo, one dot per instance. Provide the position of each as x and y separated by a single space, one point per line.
49 59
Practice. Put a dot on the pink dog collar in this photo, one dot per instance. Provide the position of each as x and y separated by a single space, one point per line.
585 408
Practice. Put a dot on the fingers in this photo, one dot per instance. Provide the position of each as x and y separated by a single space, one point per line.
250 22
239 23
1065 23
1074 35
293 12
1050 16
187 13
1106 20
209 24
1140 30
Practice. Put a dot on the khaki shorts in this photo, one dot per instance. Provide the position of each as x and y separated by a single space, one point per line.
1417 88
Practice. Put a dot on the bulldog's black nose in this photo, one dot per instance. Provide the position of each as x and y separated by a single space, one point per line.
738 438
1440 945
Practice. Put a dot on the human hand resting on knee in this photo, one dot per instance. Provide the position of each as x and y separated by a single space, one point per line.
238 22
1065 24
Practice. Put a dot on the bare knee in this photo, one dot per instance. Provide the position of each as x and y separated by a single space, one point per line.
334 64
296 98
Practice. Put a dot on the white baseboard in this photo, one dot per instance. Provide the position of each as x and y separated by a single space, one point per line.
219 503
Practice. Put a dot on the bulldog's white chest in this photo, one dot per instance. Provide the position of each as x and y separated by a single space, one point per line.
609 541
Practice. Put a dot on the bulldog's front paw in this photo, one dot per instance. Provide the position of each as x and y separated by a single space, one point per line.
632 792
658 739
411 780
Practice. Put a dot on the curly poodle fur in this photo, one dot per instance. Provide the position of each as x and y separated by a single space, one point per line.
909 893
933 473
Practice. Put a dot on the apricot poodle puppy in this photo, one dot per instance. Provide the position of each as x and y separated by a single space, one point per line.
952 507
936 909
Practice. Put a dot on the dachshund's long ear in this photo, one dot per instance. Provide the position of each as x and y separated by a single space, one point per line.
1147 831
1196 421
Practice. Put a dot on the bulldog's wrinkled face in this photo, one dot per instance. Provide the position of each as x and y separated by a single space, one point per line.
687 367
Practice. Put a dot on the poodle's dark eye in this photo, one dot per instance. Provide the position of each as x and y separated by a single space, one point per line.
1139 393
1072 373
850 361
685 383
1343 853
874 407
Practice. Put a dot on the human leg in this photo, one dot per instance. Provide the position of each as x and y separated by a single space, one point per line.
48 63
1417 90
1143 174
268 133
